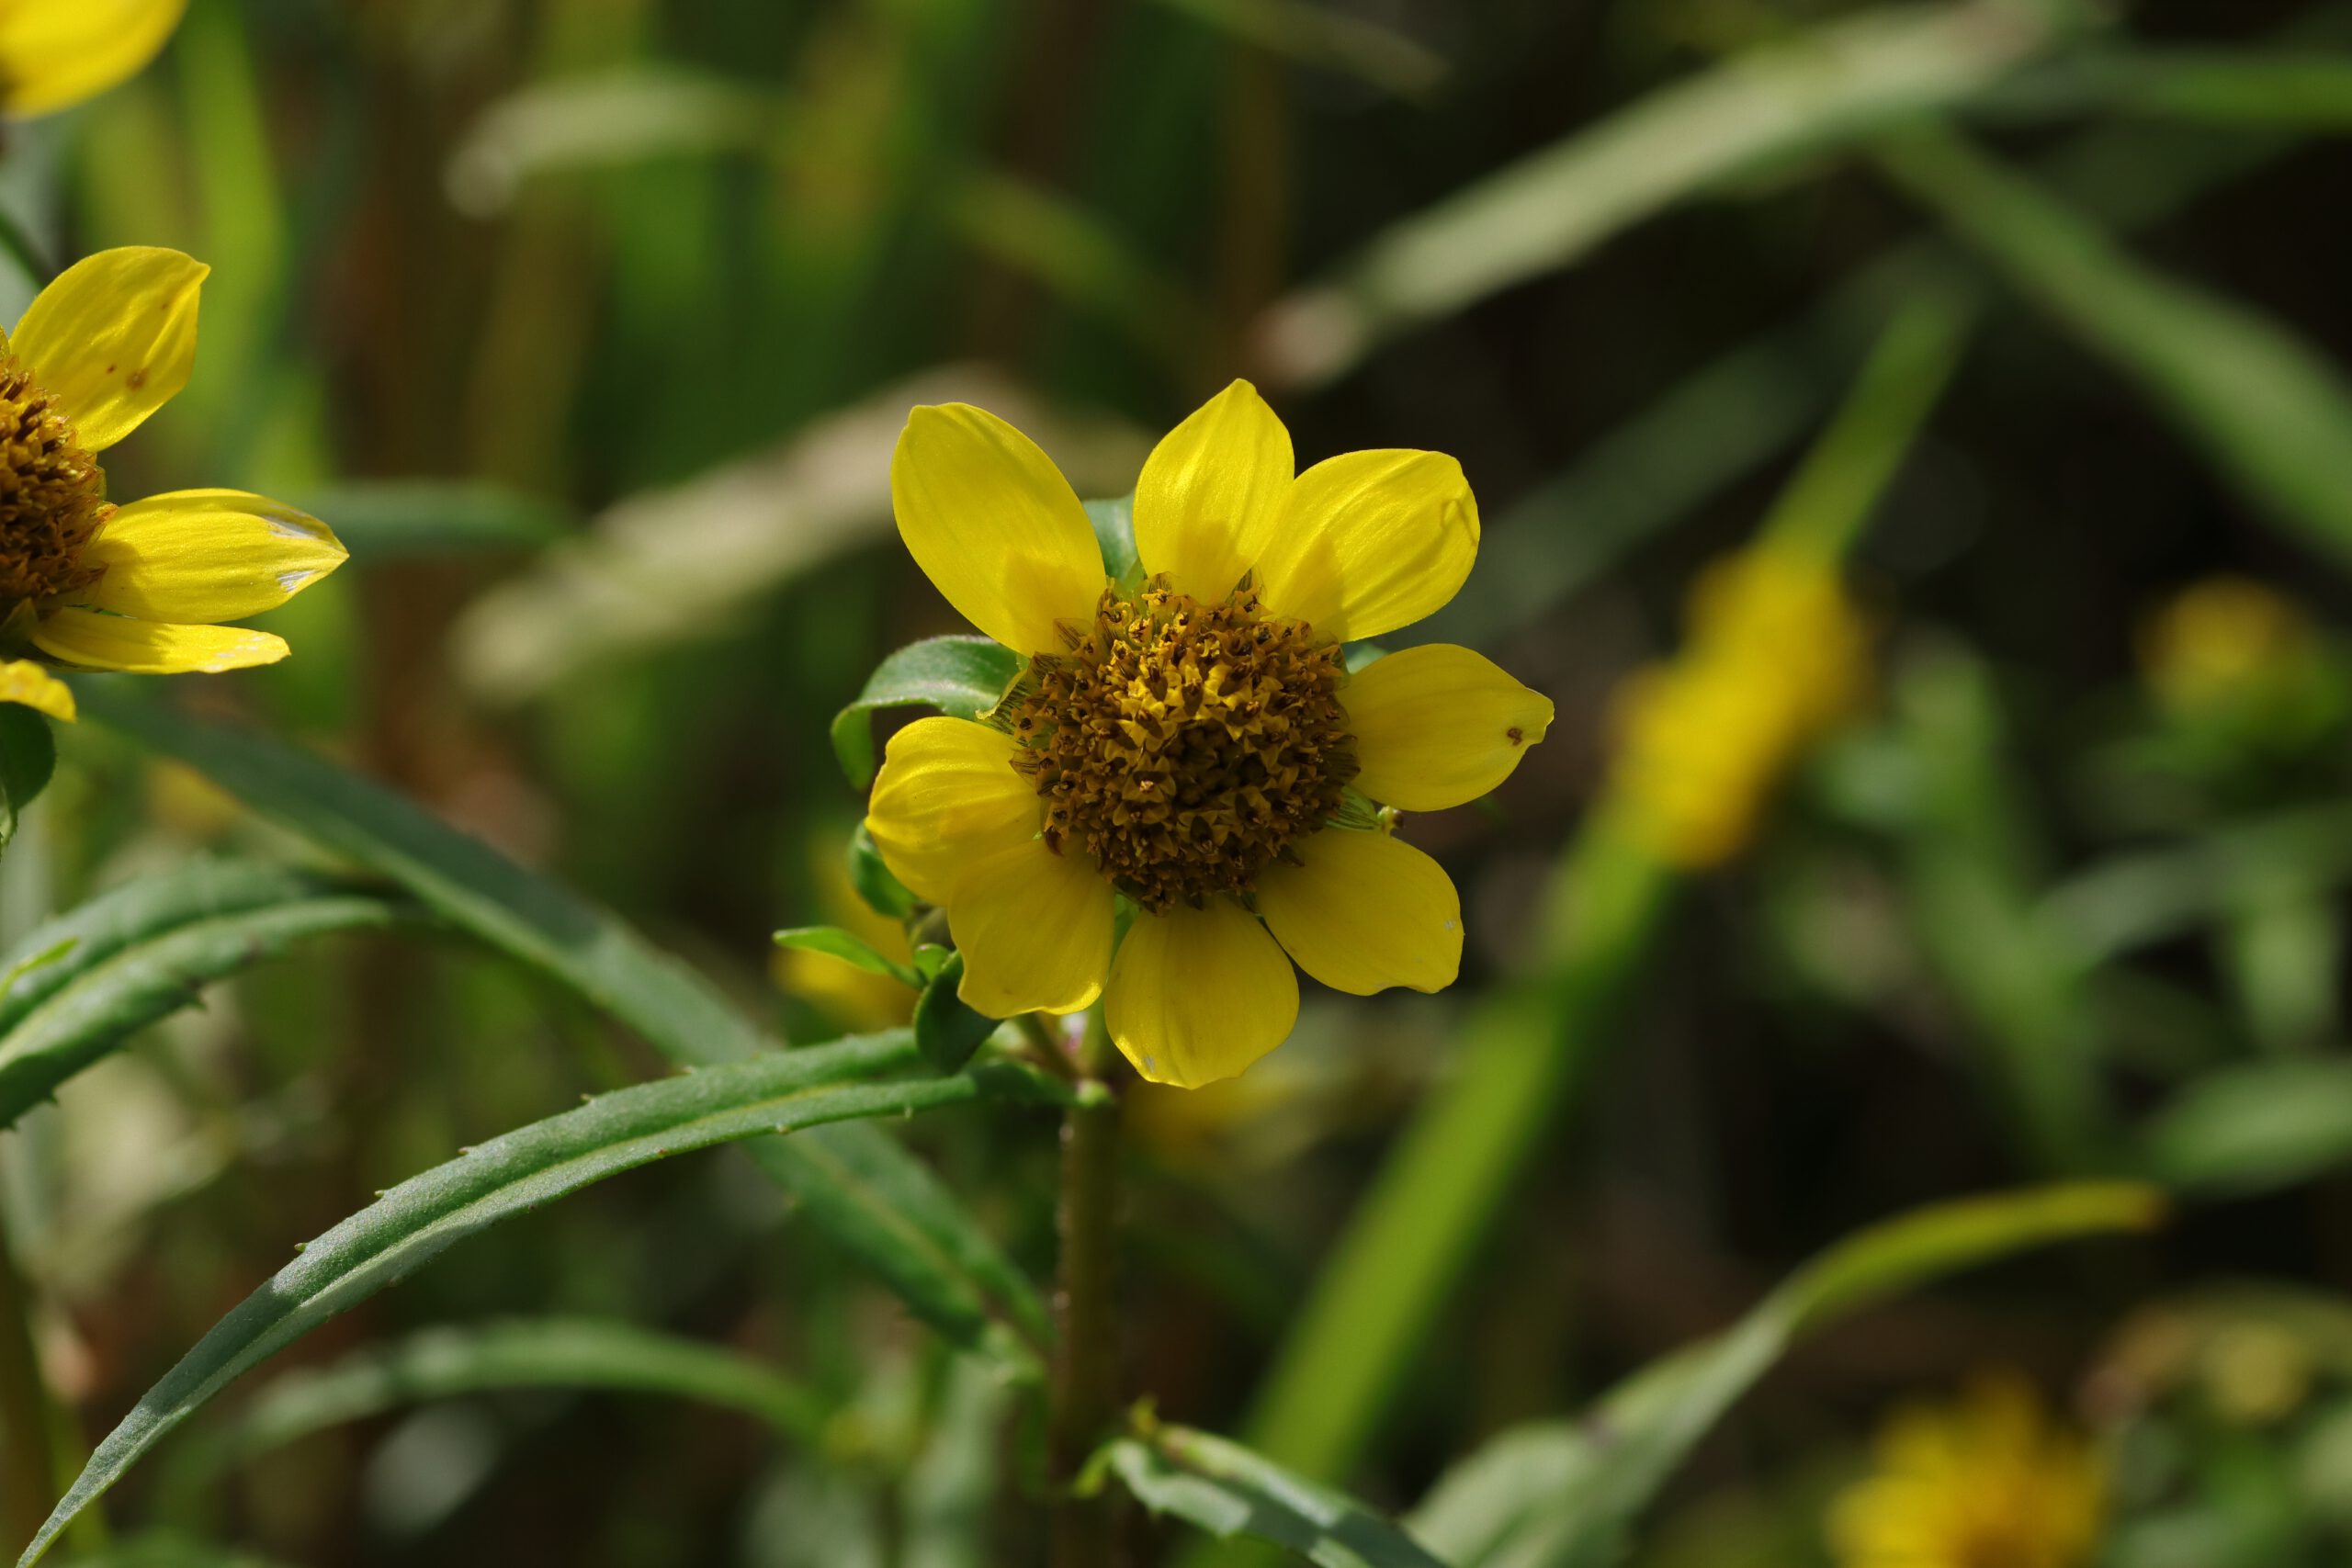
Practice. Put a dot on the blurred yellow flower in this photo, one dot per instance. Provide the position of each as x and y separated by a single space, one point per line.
138 587
1193 745
1986 1483
1775 660
54 53
2226 642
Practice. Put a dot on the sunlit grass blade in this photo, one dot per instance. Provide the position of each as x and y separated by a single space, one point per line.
1316 32
2274 416
566 1353
871 1194
79 986
1807 93
778 1092
2254 1128
1563 1493
627 115
1229 1491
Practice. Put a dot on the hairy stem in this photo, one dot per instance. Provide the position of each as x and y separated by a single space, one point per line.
1086 1530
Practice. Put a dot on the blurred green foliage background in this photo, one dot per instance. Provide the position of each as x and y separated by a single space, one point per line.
589 324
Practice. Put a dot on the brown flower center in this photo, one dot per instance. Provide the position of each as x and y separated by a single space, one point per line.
1182 745
52 497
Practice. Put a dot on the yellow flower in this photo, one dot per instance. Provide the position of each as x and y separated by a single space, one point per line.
92 585
54 53
1988 1482
2226 642
1776 659
1193 746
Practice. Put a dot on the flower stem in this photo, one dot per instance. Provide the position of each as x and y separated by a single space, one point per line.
1085 1394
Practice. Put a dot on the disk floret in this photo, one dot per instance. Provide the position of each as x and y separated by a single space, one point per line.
52 496
1184 746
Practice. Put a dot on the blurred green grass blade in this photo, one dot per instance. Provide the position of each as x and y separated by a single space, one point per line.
778 1092
1970 876
390 520
951 1488
1804 95
79 986
2149 895
1054 241
1325 36
571 1353
2274 417
602 120
1827 502
867 1192
1227 1491
2285 88
962 676
1526 1048
1564 1494
2254 1128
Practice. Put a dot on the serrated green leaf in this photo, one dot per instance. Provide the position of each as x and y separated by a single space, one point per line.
80 984
946 1031
960 676
1227 1491
28 758
776 1092
850 947
1563 1494
872 1196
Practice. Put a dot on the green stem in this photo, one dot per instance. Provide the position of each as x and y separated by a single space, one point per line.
1085 1395
28 1482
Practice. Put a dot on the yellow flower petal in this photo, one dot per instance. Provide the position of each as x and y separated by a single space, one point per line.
148 648
22 680
946 797
1364 912
1370 541
1210 493
1197 995
1439 725
206 555
1034 931
113 338
994 526
54 53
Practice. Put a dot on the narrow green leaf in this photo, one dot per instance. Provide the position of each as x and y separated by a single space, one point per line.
855 1182
2275 418
2255 1127
884 893
961 676
1802 95
1563 1493
778 1092
582 1353
946 1031
28 758
627 115
1229 1491
850 947
80 984
1114 532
